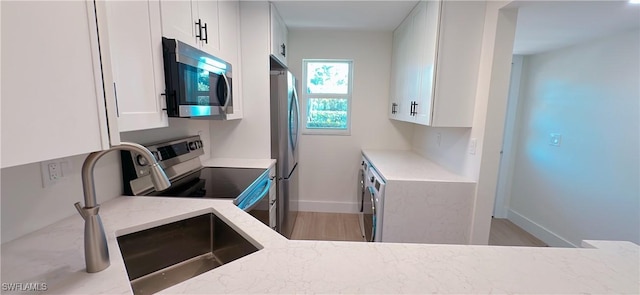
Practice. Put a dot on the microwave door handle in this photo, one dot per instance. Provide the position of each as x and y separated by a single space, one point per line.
226 98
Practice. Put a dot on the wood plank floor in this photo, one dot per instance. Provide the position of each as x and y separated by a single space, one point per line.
505 233
327 227
346 227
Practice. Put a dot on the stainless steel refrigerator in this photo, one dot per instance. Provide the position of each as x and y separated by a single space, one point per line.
285 131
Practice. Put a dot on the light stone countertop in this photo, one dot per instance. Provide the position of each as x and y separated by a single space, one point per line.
54 255
400 165
239 163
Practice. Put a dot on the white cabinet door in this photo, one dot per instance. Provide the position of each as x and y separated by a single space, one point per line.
229 12
229 19
178 21
135 54
208 14
426 24
400 64
412 66
397 71
279 34
457 62
284 35
435 63
192 22
52 96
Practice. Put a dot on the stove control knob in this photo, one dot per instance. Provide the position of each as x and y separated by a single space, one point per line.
193 146
372 178
141 160
199 143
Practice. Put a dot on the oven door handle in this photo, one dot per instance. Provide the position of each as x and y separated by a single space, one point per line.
252 200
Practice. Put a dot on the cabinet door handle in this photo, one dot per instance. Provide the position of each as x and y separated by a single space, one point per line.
413 111
393 108
206 39
283 49
199 25
115 94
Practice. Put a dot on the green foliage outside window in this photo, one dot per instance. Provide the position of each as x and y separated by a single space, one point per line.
327 77
327 113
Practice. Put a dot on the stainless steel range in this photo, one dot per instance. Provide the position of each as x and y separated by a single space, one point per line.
180 159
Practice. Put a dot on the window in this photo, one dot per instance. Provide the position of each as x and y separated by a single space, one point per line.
326 94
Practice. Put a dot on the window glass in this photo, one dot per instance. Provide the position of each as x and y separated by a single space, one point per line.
327 96
328 77
327 113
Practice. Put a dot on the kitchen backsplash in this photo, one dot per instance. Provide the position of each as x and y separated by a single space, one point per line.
27 206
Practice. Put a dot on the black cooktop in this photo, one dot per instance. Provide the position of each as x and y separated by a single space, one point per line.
213 183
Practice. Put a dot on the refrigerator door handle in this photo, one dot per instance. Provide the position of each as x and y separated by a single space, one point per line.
294 131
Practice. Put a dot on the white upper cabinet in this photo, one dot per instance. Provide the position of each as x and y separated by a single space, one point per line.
279 35
399 73
52 96
207 13
192 22
436 57
230 45
131 48
211 26
178 21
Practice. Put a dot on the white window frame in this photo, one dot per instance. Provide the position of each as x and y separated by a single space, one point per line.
306 96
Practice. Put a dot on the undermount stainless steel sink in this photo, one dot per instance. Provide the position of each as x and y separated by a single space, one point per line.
160 257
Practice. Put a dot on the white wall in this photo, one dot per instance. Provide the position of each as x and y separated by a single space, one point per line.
329 164
588 187
250 137
26 206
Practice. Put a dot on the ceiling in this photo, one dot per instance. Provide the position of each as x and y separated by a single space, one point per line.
549 25
344 15
542 25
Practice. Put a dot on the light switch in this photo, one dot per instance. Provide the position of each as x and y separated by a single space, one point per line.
555 139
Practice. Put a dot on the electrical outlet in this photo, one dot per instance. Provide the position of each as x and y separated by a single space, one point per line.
473 144
54 171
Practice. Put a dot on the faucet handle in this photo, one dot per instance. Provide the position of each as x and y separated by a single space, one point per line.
82 212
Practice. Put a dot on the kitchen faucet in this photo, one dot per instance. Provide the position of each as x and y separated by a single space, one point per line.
96 253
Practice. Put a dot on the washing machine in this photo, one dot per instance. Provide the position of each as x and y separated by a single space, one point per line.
362 178
372 205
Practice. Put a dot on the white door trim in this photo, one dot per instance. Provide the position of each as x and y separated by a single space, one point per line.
503 189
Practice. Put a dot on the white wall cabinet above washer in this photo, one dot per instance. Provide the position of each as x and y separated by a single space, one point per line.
52 97
193 22
279 35
436 57
131 48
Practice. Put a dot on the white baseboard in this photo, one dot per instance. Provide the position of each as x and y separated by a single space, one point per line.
540 232
330 207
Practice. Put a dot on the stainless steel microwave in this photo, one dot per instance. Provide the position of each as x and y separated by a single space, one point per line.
198 85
